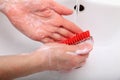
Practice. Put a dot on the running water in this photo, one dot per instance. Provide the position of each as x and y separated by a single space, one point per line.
76 13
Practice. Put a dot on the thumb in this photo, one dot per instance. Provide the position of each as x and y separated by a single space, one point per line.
84 48
60 9
81 49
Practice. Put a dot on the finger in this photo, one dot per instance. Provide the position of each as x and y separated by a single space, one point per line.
61 9
71 26
82 48
65 32
57 37
85 55
81 59
85 46
77 60
50 28
47 40
77 52
80 65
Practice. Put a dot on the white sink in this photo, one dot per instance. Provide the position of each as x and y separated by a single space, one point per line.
102 18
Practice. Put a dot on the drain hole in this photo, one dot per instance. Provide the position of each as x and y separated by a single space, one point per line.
81 7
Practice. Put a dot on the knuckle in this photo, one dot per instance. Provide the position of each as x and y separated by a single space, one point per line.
36 37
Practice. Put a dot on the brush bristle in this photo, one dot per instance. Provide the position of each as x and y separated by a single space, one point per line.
77 38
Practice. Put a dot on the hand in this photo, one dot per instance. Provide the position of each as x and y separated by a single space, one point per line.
40 20
61 57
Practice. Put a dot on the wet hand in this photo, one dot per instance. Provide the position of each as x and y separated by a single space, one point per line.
40 20
61 57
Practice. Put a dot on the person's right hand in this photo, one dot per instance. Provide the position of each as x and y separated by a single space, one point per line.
61 57
40 20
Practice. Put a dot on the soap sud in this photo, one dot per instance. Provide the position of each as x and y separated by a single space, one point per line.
84 51
78 52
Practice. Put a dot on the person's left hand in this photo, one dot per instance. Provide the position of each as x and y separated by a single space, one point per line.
41 20
61 57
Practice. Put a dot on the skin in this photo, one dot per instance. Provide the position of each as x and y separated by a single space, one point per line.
47 57
40 20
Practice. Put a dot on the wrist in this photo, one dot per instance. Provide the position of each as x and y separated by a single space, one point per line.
39 61
19 66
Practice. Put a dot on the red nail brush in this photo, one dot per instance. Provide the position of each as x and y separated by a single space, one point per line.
80 37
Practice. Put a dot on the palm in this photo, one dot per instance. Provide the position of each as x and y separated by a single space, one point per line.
42 21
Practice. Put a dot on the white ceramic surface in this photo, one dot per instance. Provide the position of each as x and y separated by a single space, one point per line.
102 18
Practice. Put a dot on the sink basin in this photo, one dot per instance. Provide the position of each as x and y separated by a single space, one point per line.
101 17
